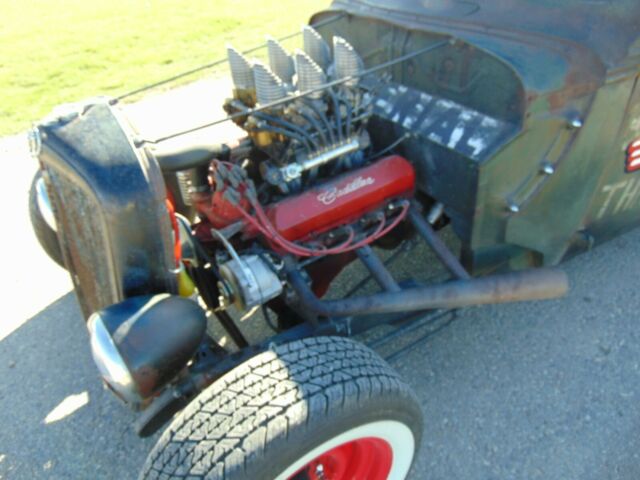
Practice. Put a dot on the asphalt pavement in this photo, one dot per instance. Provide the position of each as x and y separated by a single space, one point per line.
539 390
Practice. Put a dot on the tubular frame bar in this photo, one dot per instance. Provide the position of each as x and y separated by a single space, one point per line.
377 269
448 259
535 284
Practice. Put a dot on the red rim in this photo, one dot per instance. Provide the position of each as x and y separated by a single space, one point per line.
363 459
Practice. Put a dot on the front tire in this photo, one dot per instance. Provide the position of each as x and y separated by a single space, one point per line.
319 408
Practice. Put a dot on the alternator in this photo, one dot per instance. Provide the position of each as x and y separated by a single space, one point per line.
248 282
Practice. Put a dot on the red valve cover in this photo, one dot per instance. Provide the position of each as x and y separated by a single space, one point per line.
343 199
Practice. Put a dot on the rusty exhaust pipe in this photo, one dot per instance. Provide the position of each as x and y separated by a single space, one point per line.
538 284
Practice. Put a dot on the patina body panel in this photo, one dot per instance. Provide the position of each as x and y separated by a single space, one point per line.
563 74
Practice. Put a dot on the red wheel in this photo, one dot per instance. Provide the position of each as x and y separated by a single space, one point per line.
314 409
366 458
375 451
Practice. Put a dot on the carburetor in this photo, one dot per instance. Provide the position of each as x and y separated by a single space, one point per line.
324 127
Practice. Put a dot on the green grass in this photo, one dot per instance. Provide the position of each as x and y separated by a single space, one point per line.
57 51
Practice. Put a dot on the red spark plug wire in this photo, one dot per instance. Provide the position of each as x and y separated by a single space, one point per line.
263 224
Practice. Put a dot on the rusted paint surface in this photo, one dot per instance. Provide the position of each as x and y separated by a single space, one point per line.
609 28
561 74
110 206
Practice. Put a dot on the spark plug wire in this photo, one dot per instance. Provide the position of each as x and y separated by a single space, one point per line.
261 223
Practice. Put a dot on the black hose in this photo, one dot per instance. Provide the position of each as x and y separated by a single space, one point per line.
358 103
287 133
287 125
314 123
349 115
299 131
336 112
309 104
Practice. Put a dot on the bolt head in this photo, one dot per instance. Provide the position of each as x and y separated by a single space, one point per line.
35 142
548 169
292 172
575 123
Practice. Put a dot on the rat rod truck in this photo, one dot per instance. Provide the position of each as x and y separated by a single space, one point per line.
515 123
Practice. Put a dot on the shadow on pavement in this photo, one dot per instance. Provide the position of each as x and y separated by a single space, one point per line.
44 362
547 390
539 390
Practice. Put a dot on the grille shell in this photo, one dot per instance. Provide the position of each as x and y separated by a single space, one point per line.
109 204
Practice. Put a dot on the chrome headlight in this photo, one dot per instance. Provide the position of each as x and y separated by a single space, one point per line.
110 363
141 344
44 204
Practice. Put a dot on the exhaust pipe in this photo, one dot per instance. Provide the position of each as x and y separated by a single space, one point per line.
539 284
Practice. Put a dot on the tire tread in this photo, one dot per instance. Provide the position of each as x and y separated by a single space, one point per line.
238 416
